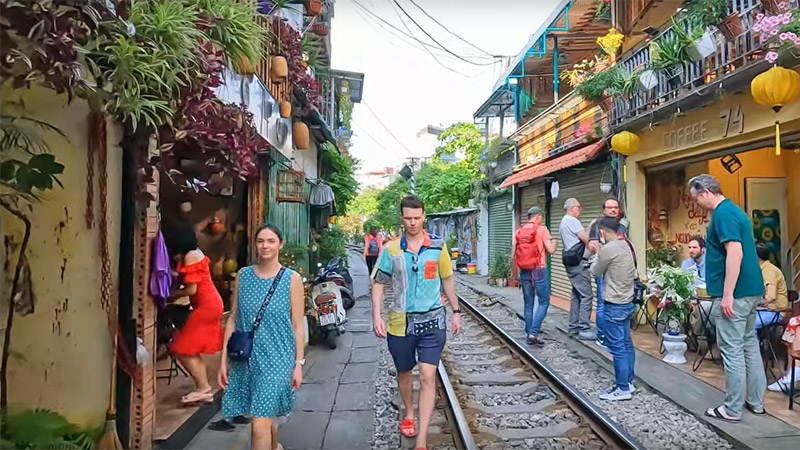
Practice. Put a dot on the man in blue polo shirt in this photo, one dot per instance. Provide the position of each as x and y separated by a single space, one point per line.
733 281
418 266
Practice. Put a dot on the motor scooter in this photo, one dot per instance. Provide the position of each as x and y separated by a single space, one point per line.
336 272
325 310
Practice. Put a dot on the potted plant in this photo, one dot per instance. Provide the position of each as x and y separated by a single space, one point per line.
500 269
714 13
672 286
603 13
667 54
779 32
696 39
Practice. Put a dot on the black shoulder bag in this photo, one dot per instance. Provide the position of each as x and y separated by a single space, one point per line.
240 344
639 288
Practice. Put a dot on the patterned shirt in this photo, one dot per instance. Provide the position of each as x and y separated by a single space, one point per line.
416 278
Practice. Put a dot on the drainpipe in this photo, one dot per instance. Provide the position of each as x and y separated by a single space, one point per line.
555 69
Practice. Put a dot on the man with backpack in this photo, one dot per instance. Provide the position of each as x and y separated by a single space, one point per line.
532 243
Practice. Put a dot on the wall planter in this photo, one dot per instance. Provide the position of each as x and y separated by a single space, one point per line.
648 79
313 7
606 104
286 109
322 29
702 48
278 69
300 135
771 6
731 27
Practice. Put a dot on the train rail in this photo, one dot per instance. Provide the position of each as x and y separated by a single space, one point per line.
494 393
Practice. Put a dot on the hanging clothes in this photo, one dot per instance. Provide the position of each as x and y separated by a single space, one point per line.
160 277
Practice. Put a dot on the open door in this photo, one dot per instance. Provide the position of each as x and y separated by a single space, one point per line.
765 199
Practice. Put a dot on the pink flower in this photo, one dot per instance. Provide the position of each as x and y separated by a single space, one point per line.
773 32
760 16
797 42
783 36
783 6
771 56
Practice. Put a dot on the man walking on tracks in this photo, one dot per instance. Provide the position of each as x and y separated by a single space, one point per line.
615 263
417 265
532 243
575 259
734 282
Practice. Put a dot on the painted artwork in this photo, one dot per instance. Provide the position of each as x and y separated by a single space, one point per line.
767 230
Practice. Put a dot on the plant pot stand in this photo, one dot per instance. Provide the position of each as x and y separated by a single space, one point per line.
674 347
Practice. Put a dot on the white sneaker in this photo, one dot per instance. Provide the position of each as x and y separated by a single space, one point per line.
616 394
631 388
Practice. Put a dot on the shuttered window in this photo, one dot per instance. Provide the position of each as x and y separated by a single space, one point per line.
583 185
500 226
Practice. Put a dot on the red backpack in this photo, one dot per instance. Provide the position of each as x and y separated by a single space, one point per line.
527 254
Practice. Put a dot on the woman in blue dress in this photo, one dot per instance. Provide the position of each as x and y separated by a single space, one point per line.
264 386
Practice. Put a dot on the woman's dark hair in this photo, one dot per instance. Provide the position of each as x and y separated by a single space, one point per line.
412 202
180 239
272 228
762 251
700 241
373 231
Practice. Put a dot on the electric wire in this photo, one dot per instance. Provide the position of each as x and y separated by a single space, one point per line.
451 32
437 42
363 129
375 115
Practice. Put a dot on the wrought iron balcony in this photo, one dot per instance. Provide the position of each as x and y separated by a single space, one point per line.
730 66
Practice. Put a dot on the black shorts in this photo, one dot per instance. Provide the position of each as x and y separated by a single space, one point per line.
371 260
406 350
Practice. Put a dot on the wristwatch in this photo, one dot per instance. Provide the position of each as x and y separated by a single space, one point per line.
457 311
301 362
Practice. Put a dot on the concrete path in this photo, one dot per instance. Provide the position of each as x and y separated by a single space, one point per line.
692 394
334 407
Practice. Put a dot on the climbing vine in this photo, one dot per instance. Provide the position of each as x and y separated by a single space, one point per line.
345 106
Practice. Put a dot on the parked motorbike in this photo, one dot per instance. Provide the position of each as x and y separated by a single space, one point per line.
336 271
326 310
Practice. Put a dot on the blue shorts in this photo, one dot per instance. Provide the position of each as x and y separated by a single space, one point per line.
406 350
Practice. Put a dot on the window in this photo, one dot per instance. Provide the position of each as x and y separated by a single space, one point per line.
290 186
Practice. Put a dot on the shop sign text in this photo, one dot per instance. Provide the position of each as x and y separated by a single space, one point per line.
697 133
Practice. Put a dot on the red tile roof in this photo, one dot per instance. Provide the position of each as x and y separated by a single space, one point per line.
573 158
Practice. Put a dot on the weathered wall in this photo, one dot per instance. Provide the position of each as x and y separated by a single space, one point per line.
65 343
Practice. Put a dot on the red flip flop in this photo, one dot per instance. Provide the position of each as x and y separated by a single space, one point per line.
408 428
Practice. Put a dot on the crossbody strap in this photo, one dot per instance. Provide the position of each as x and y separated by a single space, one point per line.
267 299
635 265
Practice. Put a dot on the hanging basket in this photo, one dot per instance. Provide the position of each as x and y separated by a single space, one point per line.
702 48
286 109
606 104
648 79
279 69
731 26
771 6
321 29
300 136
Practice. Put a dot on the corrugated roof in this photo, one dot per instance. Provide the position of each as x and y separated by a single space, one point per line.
555 164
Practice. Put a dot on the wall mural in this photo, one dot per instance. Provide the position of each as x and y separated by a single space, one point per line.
767 230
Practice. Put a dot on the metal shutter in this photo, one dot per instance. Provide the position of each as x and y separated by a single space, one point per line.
500 226
585 186
531 196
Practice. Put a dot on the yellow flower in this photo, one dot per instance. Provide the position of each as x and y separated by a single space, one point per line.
611 42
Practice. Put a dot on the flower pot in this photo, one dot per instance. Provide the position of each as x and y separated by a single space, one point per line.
771 6
313 7
648 79
606 104
511 282
731 26
491 281
501 282
286 109
605 188
278 69
320 29
702 48
244 66
674 76
674 348
300 135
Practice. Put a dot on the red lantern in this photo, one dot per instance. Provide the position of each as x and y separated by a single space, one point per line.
321 29
313 7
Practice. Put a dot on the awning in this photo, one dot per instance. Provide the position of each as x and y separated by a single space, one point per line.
549 166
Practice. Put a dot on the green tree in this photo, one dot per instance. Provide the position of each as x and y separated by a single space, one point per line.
388 216
339 173
464 140
443 187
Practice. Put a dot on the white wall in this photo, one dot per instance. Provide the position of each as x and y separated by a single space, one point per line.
306 160
483 239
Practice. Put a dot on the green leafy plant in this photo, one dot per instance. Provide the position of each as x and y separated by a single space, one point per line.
594 88
234 26
623 84
668 53
333 243
501 265
662 255
292 255
673 287
339 173
44 429
707 13
345 104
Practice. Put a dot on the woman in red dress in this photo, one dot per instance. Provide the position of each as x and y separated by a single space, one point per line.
202 333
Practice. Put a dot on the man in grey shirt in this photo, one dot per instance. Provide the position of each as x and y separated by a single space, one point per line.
615 263
572 235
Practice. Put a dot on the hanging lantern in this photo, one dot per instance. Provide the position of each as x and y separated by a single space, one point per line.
286 109
244 66
313 7
320 29
625 143
300 134
279 69
775 88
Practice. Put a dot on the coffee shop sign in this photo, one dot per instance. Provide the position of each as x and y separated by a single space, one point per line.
731 119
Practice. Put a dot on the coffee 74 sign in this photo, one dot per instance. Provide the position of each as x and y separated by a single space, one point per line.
699 132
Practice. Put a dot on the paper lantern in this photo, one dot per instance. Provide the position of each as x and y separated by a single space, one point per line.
625 143
230 266
775 88
286 109
300 135
279 69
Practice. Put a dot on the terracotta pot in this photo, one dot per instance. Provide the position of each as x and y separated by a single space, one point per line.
313 7
606 104
731 26
279 69
286 109
320 29
771 6
300 135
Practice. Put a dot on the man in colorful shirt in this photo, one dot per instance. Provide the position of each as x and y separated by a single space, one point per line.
417 265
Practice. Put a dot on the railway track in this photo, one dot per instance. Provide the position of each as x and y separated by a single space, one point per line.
495 394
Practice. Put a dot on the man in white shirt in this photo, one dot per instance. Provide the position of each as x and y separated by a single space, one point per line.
575 258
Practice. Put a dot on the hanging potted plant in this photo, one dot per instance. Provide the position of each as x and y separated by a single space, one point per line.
321 29
603 13
672 286
313 7
714 13
668 54
695 38
779 32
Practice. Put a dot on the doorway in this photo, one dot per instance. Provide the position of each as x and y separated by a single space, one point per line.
765 200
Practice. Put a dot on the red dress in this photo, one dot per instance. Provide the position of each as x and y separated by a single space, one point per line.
202 332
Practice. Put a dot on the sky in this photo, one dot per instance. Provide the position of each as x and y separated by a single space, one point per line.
404 87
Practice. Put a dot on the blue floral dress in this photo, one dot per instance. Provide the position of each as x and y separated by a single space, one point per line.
262 387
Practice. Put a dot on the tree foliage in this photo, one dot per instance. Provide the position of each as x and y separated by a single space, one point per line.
443 187
463 140
340 175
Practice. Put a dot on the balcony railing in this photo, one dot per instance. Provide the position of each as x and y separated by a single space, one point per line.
729 57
